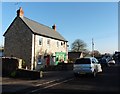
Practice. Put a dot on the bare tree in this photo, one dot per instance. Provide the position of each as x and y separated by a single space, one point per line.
78 45
1 46
96 53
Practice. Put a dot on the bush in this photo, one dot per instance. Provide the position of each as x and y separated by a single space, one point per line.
13 74
23 64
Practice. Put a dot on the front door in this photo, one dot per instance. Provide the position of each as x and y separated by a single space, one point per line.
48 60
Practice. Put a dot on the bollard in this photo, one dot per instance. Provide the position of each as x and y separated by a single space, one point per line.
41 74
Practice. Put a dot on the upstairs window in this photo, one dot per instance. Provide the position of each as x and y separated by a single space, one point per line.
40 41
57 44
48 41
61 43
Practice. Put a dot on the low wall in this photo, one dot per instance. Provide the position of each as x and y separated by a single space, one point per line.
9 65
12 67
27 74
59 67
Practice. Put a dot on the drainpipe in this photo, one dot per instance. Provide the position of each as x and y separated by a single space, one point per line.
33 52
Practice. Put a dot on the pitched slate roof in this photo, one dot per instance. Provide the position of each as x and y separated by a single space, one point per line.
43 30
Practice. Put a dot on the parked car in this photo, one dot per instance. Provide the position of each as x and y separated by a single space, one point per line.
103 62
107 61
111 62
87 65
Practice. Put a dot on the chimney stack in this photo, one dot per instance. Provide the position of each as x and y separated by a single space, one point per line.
54 27
20 12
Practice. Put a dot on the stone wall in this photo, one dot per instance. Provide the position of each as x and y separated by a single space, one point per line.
18 41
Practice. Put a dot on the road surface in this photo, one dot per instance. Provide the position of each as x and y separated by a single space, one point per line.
62 82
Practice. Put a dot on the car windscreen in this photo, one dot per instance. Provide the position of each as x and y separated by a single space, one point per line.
83 61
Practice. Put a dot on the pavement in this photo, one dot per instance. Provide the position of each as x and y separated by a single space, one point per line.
11 85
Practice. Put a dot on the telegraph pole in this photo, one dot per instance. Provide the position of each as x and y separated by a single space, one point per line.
92 47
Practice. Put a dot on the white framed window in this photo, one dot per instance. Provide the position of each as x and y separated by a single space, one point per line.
64 43
40 41
57 43
61 43
48 42
39 59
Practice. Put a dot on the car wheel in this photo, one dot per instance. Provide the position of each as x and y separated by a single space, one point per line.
94 73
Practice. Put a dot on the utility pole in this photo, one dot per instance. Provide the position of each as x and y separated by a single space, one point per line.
92 47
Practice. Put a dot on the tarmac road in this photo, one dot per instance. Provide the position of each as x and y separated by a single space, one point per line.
15 86
106 82
63 82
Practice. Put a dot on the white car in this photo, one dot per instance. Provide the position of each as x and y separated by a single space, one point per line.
87 65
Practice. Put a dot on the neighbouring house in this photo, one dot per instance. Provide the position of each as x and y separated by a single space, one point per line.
1 52
72 56
35 43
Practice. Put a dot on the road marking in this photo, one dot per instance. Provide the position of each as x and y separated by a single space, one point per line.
51 85
45 83
57 83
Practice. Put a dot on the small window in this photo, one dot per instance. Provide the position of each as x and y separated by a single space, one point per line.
40 41
48 41
93 61
57 44
61 43
39 59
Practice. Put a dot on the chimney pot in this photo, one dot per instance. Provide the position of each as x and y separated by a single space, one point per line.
54 27
20 12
